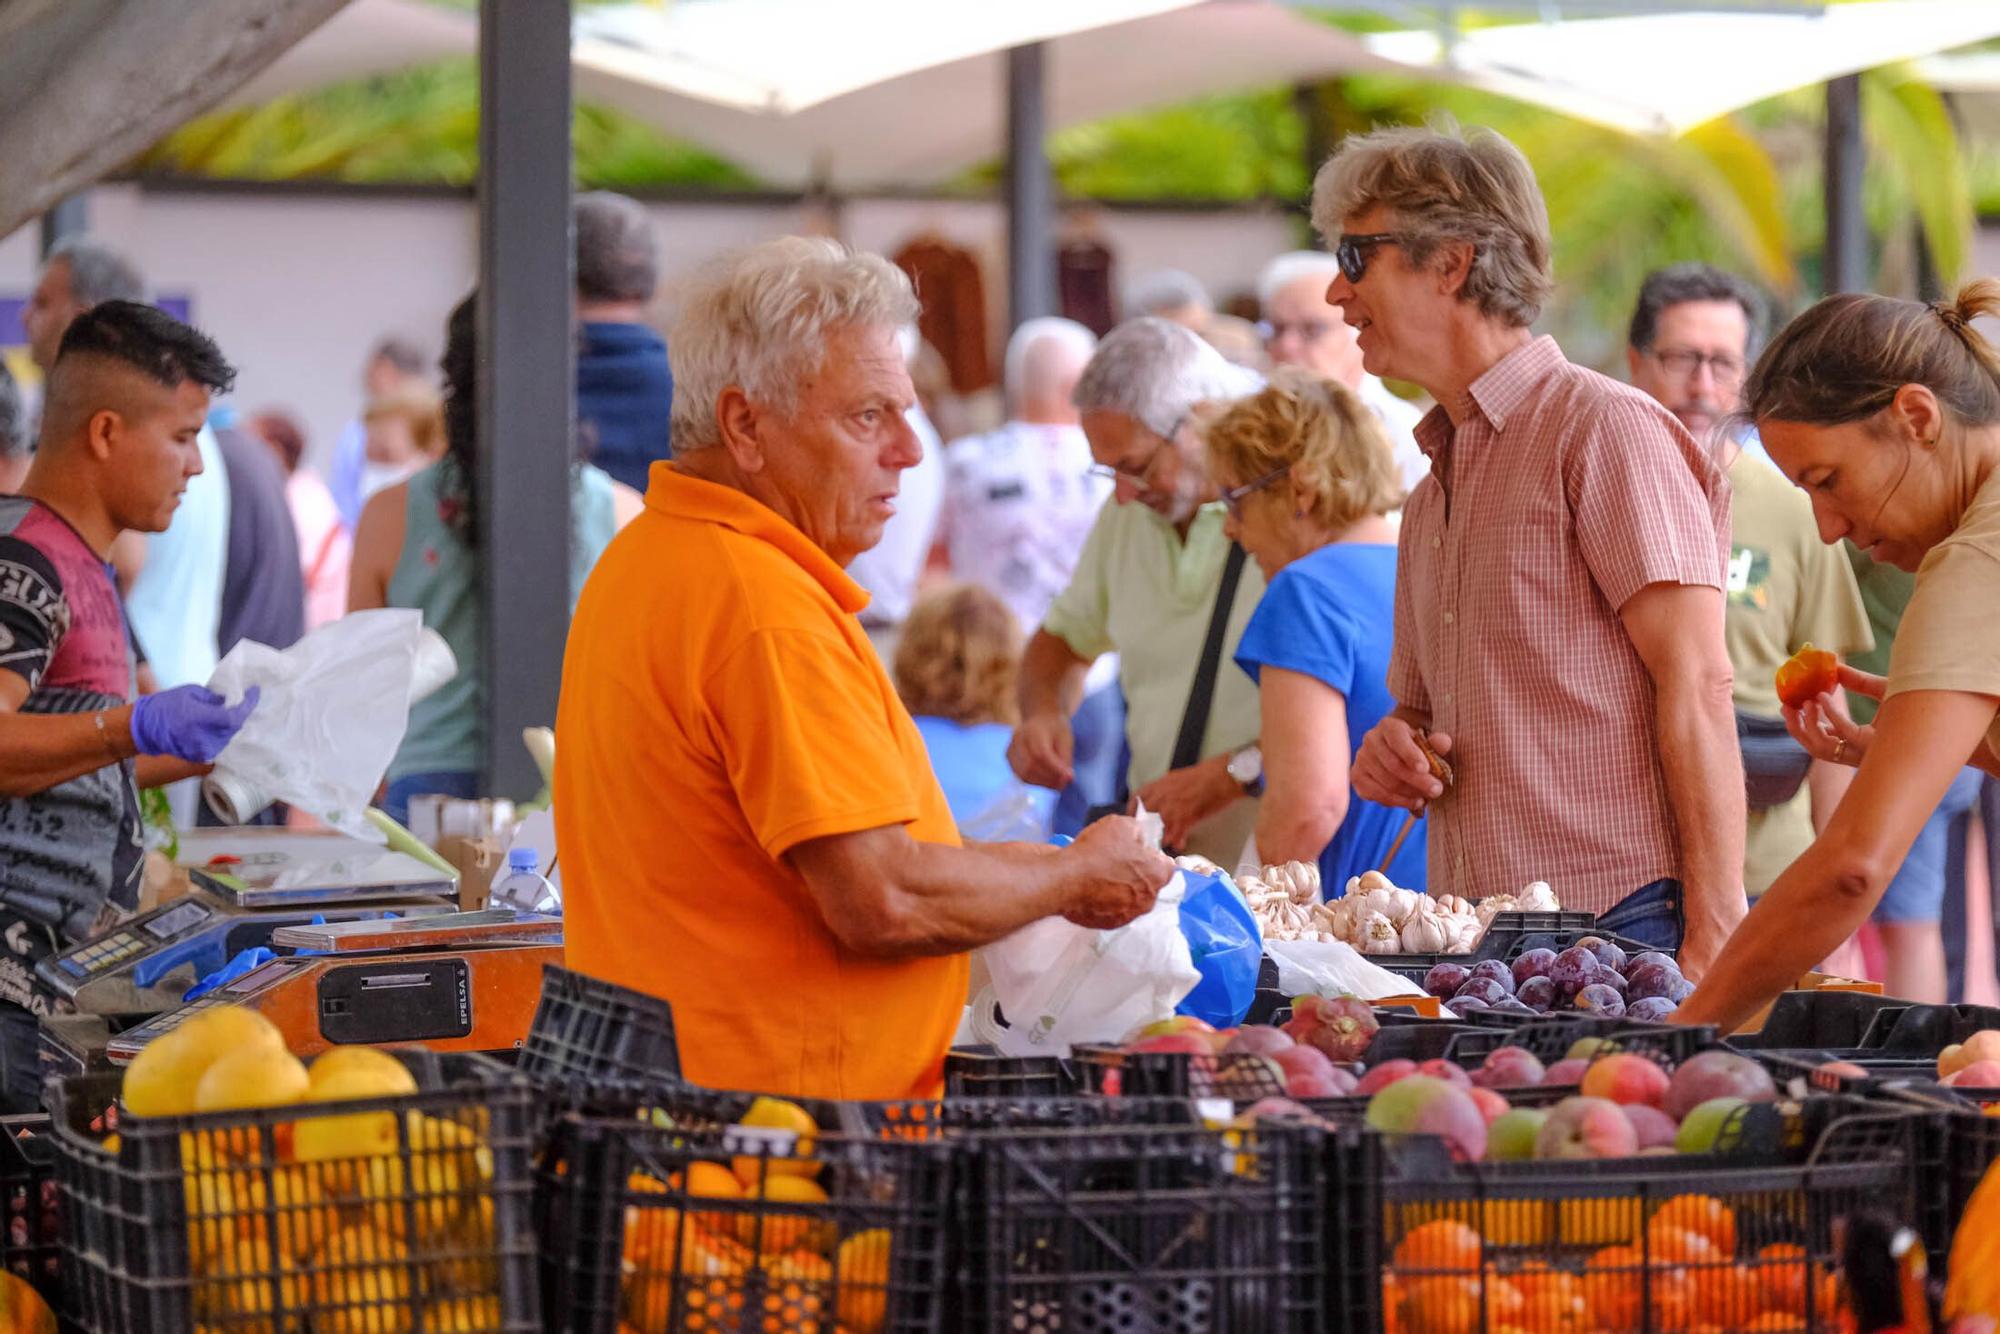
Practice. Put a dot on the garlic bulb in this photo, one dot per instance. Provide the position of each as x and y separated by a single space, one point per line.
1466 930
1375 880
1426 933
1198 864
1452 905
1490 907
1537 897
1375 934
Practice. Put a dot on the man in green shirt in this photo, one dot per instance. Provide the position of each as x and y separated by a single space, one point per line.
1693 332
1145 587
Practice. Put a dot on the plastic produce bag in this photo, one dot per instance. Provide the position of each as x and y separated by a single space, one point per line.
1019 814
1059 984
1226 946
334 709
1333 968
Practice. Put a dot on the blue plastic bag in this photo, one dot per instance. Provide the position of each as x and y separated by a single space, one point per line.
1227 946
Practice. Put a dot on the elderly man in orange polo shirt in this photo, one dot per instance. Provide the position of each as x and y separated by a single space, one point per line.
749 823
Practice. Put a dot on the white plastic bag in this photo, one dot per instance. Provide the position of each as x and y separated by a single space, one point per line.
333 711
1333 968
1059 984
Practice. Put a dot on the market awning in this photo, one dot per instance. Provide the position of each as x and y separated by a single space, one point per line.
1666 73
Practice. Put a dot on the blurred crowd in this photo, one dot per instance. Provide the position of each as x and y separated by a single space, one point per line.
1166 573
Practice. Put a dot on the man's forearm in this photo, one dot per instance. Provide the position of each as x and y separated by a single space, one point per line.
39 751
160 770
1052 677
1704 777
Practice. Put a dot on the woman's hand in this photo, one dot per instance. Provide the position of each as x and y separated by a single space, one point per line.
1824 727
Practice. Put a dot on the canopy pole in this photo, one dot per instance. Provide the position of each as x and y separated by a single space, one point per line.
1846 263
71 217
527 375
1030 254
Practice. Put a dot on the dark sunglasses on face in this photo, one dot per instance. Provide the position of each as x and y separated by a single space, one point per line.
1352 253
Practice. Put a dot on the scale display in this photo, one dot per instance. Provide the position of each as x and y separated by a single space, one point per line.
108 953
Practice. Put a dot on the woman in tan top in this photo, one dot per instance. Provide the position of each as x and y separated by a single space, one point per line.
1887 414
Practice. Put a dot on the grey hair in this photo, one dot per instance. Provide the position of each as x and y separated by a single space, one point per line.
97 273
1067 334
1156 372
1165 289
617 252
759 319
1287 269
13 416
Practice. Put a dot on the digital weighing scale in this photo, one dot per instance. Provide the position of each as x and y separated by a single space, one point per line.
247 884
454 982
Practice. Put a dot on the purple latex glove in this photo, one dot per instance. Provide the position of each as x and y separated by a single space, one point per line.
190 723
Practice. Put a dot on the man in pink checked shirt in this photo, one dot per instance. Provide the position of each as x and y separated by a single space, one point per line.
1559 599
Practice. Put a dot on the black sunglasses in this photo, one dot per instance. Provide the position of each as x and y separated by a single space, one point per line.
1352 252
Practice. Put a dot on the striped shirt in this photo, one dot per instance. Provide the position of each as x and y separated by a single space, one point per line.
1557 496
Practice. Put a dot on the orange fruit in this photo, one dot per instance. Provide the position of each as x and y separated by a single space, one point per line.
1552 1310
1444 1244
1727 1295
1392 1304
715 1182
1674 1299
1700 1213
1781 1277
1441 1305
862 1268
1612 1287
1671 1246
776 1231
1829 1293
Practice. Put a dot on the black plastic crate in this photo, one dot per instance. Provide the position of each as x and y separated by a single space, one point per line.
1829 1020
1158 1074
1171 1229
211 1220
1466 1239
1925 1030
586 1029
1960 1142
648 1224
982 1072
31 1246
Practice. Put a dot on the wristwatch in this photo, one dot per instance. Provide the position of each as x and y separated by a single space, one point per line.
1246 766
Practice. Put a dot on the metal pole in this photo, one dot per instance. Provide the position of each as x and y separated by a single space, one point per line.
527 374
1846 228
1030 255
69 218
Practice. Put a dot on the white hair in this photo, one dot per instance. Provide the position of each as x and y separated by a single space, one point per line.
1163 290
1156 371
1287 269
1067 335
759 319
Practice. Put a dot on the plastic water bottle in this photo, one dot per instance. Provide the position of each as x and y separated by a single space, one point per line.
523 888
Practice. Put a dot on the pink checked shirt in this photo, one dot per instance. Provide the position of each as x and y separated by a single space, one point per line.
1559 496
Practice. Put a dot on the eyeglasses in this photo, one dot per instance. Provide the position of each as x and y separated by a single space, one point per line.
1233 498
1686 362
1138 475
1352 252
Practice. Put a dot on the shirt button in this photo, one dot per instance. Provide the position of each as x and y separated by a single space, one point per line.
1447 698
1434 540
1448 618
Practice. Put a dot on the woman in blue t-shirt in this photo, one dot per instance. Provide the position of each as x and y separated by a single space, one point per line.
1308 479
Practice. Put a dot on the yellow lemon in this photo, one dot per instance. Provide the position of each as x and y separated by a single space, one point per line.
162 1078
253 1077
389 1074
357 1134
777 1114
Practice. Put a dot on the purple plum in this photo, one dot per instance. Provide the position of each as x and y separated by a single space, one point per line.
1484 990
1534 963
1498 971
1538 994
1464 1005
1599 999
1652 956
1574 969
1651 1009
1609 956
1607 978
1444 979
1682 989
1648 979
1513 1005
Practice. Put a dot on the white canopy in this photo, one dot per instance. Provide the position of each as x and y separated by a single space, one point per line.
1666 73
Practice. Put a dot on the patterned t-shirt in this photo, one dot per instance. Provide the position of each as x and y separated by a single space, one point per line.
73 851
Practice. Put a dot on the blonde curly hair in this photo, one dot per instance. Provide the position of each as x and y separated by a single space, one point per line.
1319 428
958 657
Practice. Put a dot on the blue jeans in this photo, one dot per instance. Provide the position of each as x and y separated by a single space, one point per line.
1098 758
1650 915
450 783
1917 892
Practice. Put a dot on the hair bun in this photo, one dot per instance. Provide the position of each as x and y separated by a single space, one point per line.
1954 318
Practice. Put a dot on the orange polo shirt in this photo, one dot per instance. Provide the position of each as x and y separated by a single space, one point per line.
720 705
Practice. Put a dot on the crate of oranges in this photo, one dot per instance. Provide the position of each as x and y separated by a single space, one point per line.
1738 1239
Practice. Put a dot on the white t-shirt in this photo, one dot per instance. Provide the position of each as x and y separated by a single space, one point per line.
1018 504
1399 417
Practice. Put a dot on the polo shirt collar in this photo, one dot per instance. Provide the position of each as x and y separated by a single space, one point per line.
1503 387
673 492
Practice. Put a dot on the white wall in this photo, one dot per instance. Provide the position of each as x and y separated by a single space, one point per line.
296 287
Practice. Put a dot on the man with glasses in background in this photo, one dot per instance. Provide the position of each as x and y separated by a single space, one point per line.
1302 328
1159 584
1559 594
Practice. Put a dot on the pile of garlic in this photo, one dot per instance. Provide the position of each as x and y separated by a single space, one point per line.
1376 917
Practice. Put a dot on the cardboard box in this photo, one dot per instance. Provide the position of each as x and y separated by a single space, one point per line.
1815 982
